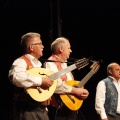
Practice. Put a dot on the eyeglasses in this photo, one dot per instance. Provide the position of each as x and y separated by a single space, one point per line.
37 44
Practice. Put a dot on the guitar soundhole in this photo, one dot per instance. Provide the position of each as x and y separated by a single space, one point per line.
70 98
43 74
38 88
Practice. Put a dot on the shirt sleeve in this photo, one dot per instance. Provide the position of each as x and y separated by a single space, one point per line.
100 99
18 76
61 87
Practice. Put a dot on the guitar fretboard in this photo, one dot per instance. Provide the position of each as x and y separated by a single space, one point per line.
85 79
62 72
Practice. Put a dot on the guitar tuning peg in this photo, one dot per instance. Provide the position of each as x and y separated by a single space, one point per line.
94 63
100 61
90 58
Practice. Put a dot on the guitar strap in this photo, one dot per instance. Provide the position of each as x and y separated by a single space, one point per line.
55 99
29 66
59 66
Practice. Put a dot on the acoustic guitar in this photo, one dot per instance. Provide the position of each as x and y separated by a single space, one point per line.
39 94
71 101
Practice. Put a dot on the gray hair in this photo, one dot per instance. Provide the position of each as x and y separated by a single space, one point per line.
26 39
59 42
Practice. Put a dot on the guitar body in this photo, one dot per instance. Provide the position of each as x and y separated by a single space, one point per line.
72 102
41 94
67 101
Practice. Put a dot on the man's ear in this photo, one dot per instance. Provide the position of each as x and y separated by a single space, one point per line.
110 72
31 47
61 49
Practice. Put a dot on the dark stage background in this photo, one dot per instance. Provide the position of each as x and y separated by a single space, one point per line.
92 26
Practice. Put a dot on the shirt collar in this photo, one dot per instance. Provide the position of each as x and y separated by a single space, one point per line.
58 58
32 58
113 78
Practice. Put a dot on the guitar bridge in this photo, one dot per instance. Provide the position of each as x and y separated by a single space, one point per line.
38 88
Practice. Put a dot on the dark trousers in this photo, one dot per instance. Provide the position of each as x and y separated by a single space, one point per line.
63 114
27 111
110 117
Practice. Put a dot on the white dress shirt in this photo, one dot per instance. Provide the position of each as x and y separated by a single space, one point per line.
100 97
18 75
61 86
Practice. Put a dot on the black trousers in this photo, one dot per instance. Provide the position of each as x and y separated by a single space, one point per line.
63 113
110 117
27 111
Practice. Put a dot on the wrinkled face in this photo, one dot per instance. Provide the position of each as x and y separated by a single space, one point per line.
36 47
115 72
66 51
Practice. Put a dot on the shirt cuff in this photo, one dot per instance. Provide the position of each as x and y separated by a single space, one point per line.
103 115
37 81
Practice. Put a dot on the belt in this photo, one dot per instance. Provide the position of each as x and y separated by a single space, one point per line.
27 99
47 102
30 105
117 113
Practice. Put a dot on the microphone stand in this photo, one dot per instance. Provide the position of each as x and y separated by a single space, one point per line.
68 62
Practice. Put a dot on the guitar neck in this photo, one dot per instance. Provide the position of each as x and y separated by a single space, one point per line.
62 72
85 79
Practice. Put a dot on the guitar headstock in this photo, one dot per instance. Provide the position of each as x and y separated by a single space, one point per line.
95 66
82 63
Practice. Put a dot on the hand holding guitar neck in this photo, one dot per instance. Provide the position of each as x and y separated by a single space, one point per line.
38 93
71 101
